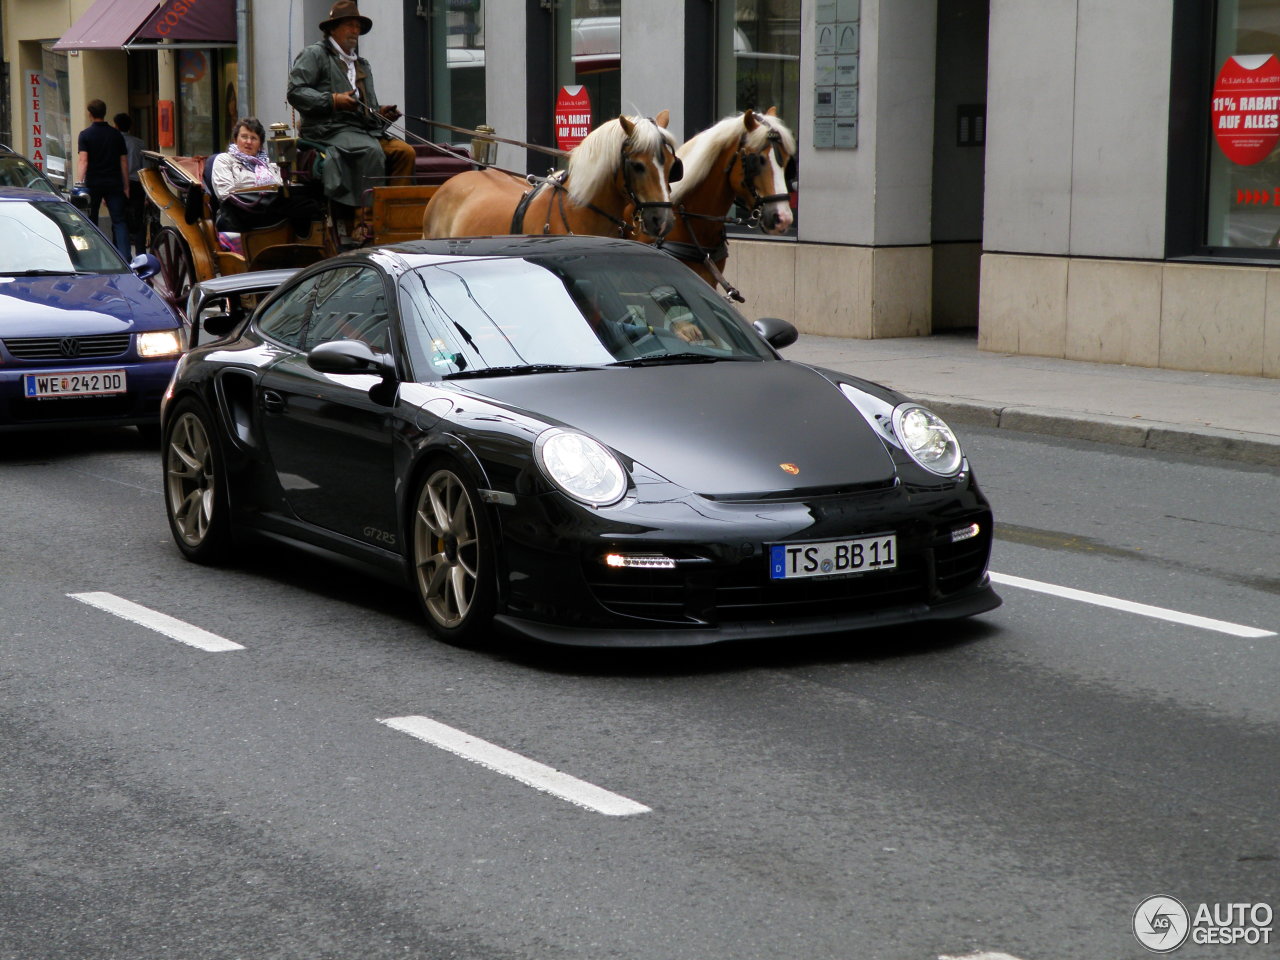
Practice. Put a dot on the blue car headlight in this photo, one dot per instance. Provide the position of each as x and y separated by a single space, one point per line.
927 439
159 343
581 466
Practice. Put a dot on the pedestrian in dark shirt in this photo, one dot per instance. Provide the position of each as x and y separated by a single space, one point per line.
103 167
137 199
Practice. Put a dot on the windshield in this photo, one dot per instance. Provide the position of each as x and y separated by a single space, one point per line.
540 314
19 172
43 237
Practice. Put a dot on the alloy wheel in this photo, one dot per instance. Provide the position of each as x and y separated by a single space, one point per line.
191 479
447 549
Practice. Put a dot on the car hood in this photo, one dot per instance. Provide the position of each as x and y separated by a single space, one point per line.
719 429
80 306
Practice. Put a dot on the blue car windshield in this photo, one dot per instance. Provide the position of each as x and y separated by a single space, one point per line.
52 237
530 315
18 171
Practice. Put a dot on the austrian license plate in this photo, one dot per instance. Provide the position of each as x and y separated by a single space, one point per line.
77 383
831 558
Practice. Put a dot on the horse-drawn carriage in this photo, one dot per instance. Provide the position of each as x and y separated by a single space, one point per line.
619 181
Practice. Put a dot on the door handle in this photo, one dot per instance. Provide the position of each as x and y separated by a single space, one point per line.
272 402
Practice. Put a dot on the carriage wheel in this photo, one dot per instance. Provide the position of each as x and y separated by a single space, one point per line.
177 270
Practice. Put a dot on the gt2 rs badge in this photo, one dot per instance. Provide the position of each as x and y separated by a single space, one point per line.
790 468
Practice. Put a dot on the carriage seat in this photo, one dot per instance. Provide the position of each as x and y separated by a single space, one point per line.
432 168
228 239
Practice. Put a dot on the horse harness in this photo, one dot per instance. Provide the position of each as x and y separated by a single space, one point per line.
556 181
752 164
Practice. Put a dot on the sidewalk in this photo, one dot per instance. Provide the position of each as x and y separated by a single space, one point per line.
1205 414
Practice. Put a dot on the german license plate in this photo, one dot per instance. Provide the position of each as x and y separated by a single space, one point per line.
832 558
73 383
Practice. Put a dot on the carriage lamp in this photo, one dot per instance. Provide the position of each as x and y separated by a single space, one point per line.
281 148
484 150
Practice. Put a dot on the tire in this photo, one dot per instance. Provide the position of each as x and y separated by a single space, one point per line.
195 485
177 270
453 550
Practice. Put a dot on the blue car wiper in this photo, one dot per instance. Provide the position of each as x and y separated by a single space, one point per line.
518 369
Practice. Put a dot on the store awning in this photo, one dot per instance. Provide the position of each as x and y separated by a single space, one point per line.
145 24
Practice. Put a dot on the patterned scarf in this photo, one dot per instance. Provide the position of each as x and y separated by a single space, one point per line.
259 166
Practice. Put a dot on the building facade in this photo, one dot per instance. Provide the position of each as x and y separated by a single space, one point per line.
1074 178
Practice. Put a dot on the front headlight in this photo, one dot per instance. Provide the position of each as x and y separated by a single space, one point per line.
580 466
927 439
159 343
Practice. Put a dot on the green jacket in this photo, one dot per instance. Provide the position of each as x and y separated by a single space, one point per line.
354 156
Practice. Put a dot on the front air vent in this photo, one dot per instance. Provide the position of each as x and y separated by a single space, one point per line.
68 349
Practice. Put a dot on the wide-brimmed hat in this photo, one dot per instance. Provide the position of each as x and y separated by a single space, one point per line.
346 10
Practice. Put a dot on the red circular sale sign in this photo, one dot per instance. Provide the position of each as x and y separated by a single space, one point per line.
573 116
1246 108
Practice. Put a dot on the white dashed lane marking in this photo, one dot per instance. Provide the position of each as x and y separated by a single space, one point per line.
159 622
529 772
1129 606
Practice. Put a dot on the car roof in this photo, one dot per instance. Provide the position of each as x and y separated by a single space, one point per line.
29 193
423 252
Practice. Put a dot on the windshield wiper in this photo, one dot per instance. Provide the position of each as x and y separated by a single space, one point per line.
518 369
39 273
661 359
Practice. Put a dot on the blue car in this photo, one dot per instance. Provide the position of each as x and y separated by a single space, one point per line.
83 340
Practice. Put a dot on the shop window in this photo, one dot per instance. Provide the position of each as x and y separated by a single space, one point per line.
588 41
52 131
758 63
1243 201
758 57
457 71
206 100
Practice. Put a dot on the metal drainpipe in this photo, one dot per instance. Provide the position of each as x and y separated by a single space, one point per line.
244 97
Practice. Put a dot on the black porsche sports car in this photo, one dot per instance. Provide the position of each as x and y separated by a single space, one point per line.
574 437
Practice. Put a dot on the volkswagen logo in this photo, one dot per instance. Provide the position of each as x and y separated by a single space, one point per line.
69 346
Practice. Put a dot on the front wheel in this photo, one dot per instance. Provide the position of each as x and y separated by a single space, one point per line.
453 556
195 488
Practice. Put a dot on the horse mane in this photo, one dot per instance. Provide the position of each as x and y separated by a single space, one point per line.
701 150
593 162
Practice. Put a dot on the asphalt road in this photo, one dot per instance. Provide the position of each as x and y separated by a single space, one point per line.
1017 784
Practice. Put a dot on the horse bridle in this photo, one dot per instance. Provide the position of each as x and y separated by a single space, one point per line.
752 164
628 181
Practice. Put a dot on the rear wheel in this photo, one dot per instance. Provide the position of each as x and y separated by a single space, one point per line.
453 556
195 486
177 270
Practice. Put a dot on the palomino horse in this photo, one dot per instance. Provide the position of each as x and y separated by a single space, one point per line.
625 164
743 158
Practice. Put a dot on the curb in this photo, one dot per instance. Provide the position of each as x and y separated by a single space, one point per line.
1159 437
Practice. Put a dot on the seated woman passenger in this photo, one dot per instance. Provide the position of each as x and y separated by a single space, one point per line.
249 187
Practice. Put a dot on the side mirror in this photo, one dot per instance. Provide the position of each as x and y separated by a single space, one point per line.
218 325
351 356
145 265
777 333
